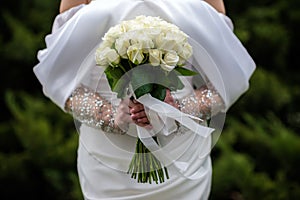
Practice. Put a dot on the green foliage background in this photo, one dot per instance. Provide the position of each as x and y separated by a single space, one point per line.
257 156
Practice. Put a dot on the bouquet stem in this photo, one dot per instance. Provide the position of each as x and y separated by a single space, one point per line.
145 167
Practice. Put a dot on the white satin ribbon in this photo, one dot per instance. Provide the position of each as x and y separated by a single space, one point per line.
165 112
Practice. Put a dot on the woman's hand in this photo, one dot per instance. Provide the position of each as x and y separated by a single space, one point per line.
138 115
170 100
122 117
137 110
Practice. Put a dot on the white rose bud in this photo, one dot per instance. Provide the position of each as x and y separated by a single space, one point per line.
181 62
107 56
112 56
187 51
155 56
100 58
153 33
169 61
105 44
146 43
135 54
121 46
113 33
165 43
142 39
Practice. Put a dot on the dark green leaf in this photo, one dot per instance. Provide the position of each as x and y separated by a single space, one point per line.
174 82
113 74
180 85
159 92
121 85
144 89
141 81
185 72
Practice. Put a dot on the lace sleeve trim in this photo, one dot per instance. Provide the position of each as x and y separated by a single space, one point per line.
90 108
204 103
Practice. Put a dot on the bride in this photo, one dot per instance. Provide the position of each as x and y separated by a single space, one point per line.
108 125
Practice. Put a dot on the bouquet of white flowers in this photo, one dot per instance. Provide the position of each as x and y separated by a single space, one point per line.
165 50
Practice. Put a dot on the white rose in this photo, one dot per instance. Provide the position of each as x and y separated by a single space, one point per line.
135 54
129 25
176 36
100 58
122 45
169 61
113 33
105 44
181 62
168 26
155 57
107 56
112 56
142 40
186 51
140 19
146 43
164 43
153 33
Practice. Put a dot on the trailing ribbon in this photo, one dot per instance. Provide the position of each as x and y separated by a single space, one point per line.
165 112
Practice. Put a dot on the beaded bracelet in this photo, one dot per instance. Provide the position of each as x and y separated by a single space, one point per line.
91 109
204 103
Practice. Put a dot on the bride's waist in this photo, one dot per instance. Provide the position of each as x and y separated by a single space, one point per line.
175 144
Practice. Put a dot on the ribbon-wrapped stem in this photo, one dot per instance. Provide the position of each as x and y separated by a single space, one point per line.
145 167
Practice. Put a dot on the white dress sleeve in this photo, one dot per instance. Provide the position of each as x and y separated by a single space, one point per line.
70 47
56 69
62 18
227 20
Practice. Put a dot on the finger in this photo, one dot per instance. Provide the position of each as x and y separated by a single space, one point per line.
132 103
143 120
135 116
168 97
137 108
168 92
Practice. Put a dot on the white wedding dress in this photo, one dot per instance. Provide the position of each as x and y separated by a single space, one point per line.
103 158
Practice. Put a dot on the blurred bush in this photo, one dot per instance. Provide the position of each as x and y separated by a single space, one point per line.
257 159
37 151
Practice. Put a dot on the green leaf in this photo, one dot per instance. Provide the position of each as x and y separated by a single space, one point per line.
113 74
185 72
117 80
180 85
174 82
120 86
141 81
159 92
144 89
